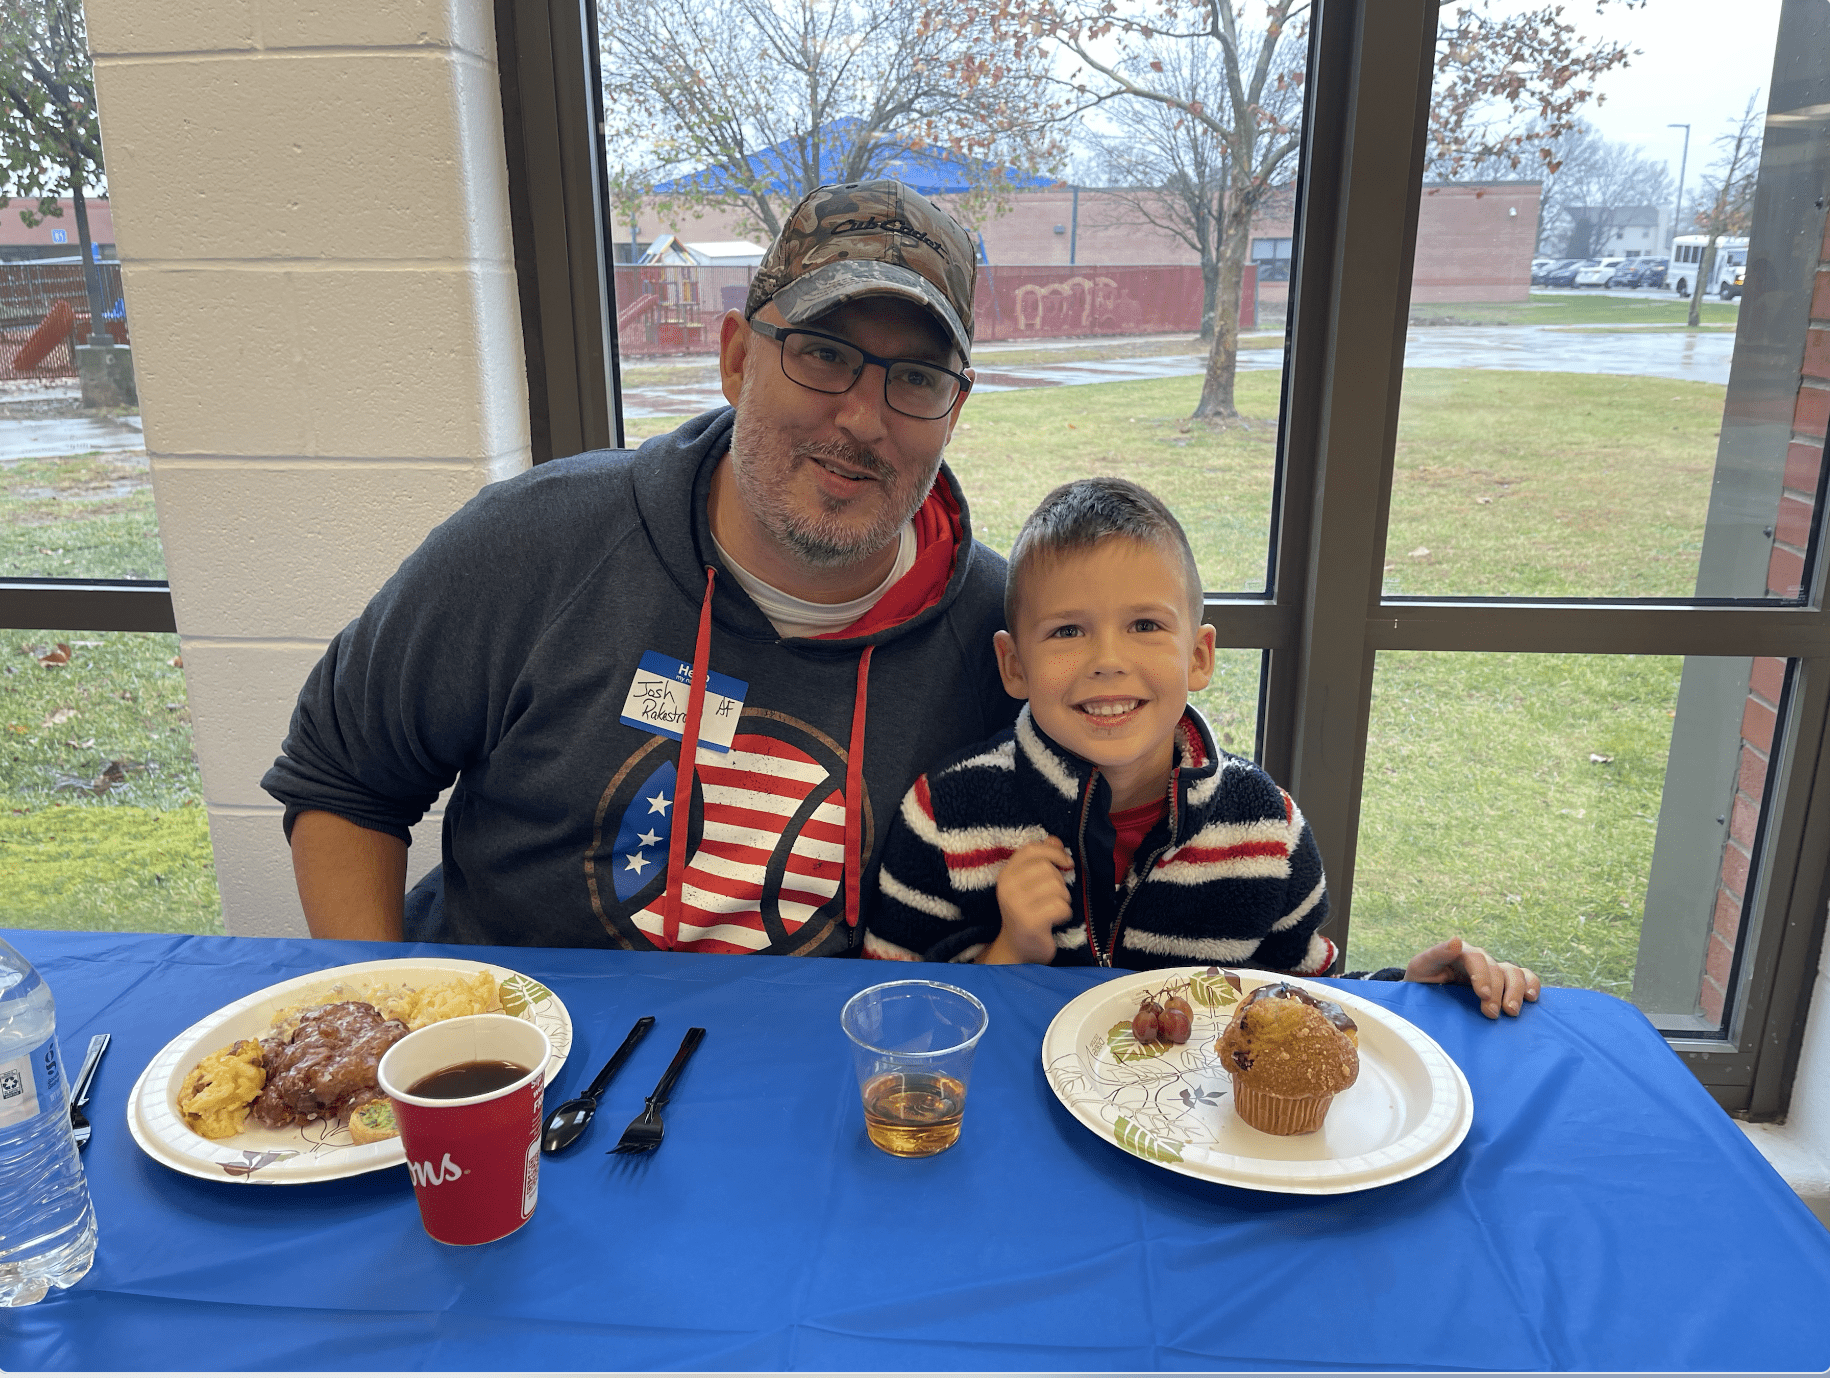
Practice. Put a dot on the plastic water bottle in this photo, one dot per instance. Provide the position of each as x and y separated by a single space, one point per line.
47 1227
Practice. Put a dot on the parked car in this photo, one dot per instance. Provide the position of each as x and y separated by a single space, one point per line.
1597 272
1626 274
1539 266
1564 274
1651 272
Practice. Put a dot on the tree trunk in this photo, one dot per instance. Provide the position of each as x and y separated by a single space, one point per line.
1210 292
1705 270
92 275
1216 402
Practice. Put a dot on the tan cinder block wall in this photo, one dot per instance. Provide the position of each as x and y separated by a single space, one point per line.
311 207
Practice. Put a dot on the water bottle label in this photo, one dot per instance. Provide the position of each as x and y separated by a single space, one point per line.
30 1084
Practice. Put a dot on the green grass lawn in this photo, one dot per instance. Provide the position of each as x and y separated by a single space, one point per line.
82 516
102 824
1655 307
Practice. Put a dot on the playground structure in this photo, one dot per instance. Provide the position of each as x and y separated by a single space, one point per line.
44 315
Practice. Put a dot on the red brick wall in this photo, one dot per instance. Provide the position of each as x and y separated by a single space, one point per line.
13 230
1804 460
1471 246
1474 243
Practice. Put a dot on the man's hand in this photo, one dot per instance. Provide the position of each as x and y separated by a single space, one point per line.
352 880
1032 898
1500 985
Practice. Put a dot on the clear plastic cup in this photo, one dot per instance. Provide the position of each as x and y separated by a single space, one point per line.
912 1043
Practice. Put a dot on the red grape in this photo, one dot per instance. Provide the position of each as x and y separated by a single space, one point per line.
1144 1025
1175 1025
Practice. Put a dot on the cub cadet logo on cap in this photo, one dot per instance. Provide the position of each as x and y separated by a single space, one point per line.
896 226
425 1175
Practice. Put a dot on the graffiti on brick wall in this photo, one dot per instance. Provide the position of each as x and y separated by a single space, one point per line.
1056 308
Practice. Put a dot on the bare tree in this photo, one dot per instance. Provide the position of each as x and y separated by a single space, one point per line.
50 139
1169 169
761 101
1503 82
1584 202
1727 192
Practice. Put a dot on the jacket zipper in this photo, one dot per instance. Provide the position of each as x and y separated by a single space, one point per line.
1118 919
1080 856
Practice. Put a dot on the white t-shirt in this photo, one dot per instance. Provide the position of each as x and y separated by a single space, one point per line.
796 616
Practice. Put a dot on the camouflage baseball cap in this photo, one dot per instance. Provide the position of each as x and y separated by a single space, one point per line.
865 239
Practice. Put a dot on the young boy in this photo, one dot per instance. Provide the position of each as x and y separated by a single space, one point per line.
1106 827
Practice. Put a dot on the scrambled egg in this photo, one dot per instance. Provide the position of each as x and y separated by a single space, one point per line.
216 1095
446 1000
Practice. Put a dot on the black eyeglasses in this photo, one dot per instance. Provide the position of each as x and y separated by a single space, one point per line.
826 363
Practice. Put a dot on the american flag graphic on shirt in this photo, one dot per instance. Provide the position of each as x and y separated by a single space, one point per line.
766 846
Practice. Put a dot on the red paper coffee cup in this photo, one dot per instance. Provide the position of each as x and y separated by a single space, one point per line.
475 1162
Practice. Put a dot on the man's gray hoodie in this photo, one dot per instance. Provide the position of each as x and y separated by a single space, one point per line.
507 654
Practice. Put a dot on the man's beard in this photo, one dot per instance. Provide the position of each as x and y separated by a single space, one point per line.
823 541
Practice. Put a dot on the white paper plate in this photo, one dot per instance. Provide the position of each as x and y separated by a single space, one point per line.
1410 1108
318 1151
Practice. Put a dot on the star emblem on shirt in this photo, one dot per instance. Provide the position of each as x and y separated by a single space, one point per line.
649 839
658 802
637 862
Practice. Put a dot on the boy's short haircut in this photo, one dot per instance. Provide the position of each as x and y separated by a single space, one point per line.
1080 515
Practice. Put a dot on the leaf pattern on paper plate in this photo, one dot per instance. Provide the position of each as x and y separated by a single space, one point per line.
1126 1048
1214 992
1134 1140
521 995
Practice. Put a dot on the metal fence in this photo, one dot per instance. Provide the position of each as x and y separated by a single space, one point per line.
44 311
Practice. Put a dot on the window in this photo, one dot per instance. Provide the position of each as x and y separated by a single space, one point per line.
1665 622
102 824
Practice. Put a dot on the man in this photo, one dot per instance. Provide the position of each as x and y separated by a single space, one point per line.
791 582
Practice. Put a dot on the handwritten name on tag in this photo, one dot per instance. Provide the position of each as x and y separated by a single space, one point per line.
658 694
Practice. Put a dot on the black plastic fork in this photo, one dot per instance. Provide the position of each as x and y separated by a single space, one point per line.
645 1130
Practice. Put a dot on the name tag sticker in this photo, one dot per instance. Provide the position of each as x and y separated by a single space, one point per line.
658 694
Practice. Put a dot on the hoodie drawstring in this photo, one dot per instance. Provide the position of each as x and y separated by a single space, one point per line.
674 905
854 795
683 774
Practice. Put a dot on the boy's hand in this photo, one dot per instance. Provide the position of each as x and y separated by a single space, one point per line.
1500 985
1032 898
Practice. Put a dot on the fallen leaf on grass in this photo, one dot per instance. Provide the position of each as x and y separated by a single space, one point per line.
52 659
176 662
60 715
1599 759
1420 552
1483 501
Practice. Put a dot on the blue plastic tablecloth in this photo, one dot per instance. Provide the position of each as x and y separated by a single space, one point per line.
1603 1213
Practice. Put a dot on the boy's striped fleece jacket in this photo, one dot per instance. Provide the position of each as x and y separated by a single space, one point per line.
1229 875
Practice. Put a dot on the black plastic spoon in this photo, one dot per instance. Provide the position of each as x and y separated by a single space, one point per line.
565 1124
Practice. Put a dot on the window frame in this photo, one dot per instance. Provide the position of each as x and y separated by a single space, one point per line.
1326 617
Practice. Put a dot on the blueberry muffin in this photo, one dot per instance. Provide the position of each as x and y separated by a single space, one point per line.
1289 1055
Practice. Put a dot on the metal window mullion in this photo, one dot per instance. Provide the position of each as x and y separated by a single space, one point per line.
100 606
1361 372
1319 187
1786 923
554 152
1588 629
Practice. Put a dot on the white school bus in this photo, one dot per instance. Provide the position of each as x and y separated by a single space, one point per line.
1687 261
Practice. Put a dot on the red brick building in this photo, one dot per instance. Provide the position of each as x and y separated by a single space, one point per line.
1474 241
54 236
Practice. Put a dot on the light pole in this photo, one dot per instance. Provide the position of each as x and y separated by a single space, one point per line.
1677 214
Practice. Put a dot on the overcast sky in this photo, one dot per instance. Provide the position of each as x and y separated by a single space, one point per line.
1699 62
